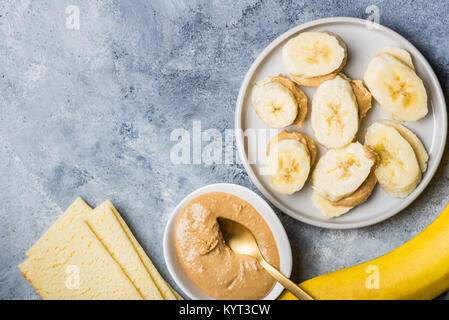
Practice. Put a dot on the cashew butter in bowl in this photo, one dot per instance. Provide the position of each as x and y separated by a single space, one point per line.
199 260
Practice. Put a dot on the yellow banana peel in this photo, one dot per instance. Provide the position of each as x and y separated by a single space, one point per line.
419 269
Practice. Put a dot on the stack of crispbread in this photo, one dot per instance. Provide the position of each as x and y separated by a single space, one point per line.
92 254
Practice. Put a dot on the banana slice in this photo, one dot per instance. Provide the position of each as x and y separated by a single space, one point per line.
397 88
340 172
288 165
398 172
420 151
279 102
300 96
326 207
290 156
314 54
400 54
335 118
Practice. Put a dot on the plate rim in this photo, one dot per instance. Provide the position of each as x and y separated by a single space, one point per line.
239 137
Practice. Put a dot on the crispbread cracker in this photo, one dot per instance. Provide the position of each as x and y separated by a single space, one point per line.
157 278
74 265
104 223
77 208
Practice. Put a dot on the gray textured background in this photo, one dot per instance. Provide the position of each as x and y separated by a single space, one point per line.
89 112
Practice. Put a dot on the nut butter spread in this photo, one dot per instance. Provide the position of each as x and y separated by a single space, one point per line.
206 259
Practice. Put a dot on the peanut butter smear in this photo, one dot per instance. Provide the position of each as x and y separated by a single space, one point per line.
206 259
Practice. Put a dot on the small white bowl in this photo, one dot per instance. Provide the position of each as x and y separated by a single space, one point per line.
275 225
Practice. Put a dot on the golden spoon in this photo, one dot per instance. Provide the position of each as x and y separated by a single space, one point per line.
242 241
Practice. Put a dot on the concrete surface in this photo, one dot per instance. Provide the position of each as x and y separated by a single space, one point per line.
89 112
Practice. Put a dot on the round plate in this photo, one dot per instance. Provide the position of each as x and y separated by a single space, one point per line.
262 207
363 43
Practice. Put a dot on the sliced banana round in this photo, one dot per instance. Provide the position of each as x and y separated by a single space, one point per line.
290 156
397 88
300 96
314 54
340 172
415 142
400 54
398 172
328 209
279 102
335 118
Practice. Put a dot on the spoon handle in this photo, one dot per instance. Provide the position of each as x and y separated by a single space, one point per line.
286 282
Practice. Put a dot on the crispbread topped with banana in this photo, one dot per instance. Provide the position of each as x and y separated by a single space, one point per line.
338 105
396 86
335 113
290 156
343 178
312 58
279 102
403 157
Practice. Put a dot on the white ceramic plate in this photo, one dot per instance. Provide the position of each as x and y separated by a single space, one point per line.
275 225
363 43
